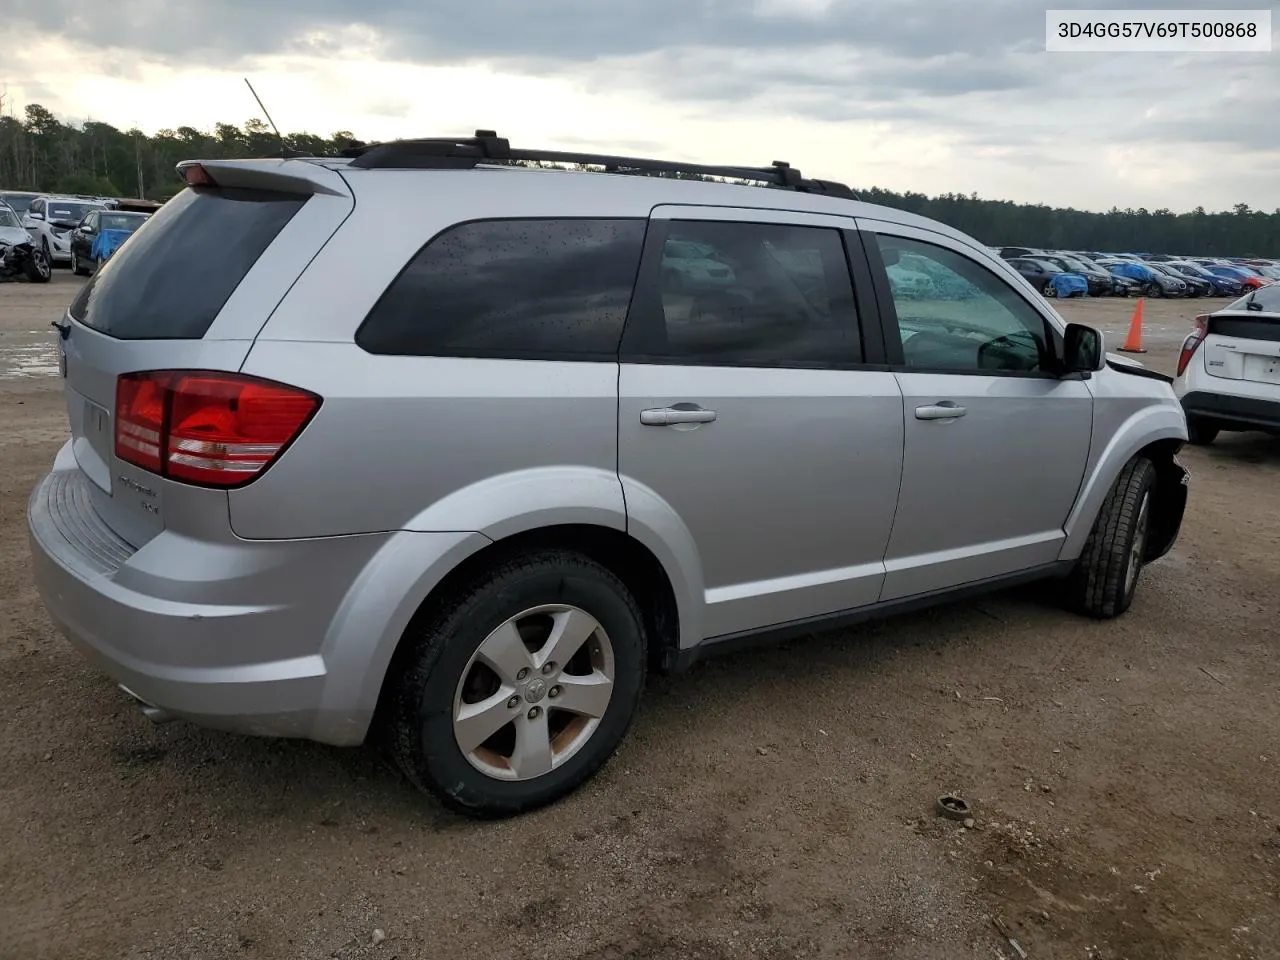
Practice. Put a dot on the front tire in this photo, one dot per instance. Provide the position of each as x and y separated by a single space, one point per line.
516 689
77 267
38 268
1105 578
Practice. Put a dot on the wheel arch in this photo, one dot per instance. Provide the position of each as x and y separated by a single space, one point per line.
1157 432
623 555
1169 499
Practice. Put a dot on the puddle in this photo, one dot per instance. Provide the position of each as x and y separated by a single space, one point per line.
29 360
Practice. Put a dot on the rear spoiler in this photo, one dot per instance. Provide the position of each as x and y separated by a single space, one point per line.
283 176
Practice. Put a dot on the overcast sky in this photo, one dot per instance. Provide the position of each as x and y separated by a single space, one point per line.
927 95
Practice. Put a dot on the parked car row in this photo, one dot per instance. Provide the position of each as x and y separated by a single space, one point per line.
1065 273
82 232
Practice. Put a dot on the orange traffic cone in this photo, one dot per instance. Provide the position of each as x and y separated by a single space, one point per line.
1133 342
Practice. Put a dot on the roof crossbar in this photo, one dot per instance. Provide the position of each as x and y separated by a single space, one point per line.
486 147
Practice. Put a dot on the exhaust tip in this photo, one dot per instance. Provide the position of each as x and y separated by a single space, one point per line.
156 715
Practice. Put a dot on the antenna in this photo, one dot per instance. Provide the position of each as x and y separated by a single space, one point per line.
285 152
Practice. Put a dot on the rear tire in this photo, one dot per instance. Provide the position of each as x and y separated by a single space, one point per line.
1201 433
444 672
1105 578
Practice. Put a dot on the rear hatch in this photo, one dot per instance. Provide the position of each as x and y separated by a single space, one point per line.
1243 346
189 291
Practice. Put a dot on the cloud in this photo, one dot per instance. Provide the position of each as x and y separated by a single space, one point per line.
933 95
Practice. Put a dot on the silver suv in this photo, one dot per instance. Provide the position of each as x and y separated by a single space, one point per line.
426 442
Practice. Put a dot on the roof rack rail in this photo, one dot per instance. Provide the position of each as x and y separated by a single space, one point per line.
486 147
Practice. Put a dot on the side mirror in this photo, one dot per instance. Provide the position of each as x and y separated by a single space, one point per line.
1082 351
36 216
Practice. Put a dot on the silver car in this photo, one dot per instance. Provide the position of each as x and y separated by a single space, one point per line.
426 444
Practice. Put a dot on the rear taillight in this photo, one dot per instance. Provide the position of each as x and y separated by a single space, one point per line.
1193 341
207 428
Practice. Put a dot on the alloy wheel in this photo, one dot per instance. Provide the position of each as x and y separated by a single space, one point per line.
533 693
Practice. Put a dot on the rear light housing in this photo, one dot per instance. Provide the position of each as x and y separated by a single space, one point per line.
207 428
195 175
1193 341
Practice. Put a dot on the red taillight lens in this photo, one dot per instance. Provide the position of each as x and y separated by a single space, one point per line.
140 409
212 429
1192 343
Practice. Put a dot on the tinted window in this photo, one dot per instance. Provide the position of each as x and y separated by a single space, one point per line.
966 318
20 202
171 279
512 288
1266 299
746 294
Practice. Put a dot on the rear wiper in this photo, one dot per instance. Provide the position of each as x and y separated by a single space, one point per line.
1249 304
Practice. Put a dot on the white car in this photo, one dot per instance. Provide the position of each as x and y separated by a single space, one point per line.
1229 368
50 220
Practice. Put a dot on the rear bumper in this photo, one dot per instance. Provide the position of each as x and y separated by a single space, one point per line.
1233 413
231 634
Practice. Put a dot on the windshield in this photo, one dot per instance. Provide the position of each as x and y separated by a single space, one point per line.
122 221
20 202
65 210
8 218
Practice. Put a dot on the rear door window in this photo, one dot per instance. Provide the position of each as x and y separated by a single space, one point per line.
512 289
173 276
745 294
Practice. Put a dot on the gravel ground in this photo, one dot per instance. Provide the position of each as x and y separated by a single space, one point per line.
774 804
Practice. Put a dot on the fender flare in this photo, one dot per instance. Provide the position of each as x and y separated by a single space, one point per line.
376 611
658 527
1145 427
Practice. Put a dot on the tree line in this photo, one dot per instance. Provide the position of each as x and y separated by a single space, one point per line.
40 152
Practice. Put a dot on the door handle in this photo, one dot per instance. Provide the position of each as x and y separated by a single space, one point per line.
942 410
669 416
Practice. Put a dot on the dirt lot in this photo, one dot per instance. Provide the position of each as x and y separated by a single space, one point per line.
774 804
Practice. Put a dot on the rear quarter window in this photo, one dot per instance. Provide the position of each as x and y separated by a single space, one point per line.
520 289
173 276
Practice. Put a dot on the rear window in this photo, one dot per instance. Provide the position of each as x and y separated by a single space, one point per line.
175 273
1266 299
1246 328
518 289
